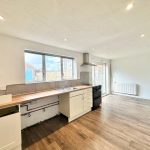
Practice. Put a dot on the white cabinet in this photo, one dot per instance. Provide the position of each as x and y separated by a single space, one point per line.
10 129
75 104
87 99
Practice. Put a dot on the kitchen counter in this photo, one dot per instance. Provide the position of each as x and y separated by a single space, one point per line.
30 97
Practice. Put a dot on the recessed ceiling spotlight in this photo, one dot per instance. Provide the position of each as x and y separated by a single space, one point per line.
142 35
129 6
65 39
1 18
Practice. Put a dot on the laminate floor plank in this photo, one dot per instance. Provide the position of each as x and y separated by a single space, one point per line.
122 123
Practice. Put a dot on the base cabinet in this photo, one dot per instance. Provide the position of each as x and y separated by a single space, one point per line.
75 104
10 129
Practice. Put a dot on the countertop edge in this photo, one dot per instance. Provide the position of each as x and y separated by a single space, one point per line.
22 99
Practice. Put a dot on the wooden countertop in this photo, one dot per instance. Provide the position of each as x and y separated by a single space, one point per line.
30 97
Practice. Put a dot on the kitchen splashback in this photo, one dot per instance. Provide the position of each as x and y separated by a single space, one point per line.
19 89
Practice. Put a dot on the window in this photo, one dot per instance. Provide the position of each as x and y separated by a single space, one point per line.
99 76
33 67
67 68
44 67
53 68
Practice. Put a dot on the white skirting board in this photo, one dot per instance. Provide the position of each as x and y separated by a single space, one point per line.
132 96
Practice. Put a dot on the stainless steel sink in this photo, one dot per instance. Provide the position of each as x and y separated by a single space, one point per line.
67 89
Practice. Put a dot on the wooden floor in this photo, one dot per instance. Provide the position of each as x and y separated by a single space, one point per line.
122 123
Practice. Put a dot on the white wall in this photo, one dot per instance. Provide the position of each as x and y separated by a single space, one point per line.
133 70
12 58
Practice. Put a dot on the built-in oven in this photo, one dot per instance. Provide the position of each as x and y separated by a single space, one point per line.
97 96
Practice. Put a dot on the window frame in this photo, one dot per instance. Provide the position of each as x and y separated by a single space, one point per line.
104 71
62 67
44 65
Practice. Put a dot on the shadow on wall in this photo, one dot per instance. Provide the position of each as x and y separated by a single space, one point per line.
2 92
138 89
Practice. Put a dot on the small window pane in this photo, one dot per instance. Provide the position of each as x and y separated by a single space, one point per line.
74 69
99 76
33 67
67 68
53 68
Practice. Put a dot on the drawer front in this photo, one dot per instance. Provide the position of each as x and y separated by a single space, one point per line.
88 90
76 105
76 93
89 95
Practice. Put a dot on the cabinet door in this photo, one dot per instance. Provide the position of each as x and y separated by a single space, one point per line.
76 105
87 101
10 131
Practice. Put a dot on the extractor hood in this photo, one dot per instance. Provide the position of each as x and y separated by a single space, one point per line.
87 60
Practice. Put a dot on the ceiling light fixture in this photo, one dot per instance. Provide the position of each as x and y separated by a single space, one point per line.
129 6
65 39
142 35
1 18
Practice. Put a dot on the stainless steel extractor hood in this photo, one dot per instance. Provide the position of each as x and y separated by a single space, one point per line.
86 60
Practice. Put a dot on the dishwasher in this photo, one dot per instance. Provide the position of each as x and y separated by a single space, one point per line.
10 128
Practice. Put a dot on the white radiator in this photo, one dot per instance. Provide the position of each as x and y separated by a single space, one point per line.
125 88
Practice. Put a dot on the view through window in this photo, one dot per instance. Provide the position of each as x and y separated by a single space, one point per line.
99 76
43 67
53 68
67 66
33 67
